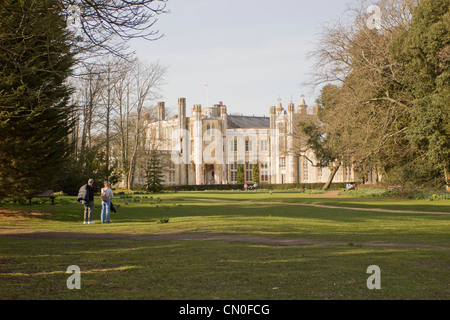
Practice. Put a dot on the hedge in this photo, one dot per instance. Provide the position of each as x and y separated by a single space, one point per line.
285 186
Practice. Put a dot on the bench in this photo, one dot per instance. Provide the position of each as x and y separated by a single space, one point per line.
46 194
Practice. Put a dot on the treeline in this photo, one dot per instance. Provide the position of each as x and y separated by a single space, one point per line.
385 99
61 96
264 186
110 103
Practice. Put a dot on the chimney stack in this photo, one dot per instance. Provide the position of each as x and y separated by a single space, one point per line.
161 111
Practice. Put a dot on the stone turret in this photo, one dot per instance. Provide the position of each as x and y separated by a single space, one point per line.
279 108
272 117
302 107
315 109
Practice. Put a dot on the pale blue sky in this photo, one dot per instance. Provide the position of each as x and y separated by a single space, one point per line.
249 52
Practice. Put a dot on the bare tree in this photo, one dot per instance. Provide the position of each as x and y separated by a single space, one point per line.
147 80
366 113
121 118
87 95
107 26
111 72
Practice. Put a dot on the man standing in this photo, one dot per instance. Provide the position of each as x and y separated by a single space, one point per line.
86 197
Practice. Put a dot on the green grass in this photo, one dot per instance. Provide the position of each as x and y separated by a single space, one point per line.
412 251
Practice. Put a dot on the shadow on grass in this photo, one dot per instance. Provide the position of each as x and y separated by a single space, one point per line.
187 269
144 210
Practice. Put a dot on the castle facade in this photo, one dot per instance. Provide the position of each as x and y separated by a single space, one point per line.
208 147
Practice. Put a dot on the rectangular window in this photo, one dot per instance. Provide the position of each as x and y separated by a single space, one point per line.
264 172
348 174
282 163
248 146
233 172
264 146
305 169
248 172
233 146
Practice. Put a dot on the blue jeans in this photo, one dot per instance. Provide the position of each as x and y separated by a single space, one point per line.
88 208
106 205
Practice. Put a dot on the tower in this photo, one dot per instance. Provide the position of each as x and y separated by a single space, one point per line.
290 165
198 143
302 107
184 150
160 116
224 120
274 137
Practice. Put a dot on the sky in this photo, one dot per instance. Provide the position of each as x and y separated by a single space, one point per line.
249 54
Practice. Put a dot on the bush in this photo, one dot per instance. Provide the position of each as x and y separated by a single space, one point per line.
286 186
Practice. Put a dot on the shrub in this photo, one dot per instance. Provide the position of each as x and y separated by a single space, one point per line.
286 186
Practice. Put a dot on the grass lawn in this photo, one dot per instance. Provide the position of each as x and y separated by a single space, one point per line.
228 245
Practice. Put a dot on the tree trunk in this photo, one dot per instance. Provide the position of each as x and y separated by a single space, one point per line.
447 180
331 177
132 167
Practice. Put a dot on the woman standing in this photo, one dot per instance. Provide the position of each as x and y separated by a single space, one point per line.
106 196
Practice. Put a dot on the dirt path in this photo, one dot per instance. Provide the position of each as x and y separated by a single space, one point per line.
329 194
325 206
17 233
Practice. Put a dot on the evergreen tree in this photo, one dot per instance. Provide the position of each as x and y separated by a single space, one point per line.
255 172
154 173
35 117
423 52
240 174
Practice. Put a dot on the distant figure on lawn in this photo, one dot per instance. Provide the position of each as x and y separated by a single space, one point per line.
350 186
106 196
86 197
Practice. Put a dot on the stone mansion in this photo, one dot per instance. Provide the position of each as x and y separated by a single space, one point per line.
207 147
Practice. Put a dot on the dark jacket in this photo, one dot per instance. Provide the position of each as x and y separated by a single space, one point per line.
85 194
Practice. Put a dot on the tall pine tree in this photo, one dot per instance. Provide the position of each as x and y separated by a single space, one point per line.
240 174
154 173
35 61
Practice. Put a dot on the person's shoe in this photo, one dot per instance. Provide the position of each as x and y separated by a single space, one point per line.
85 222
91 222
